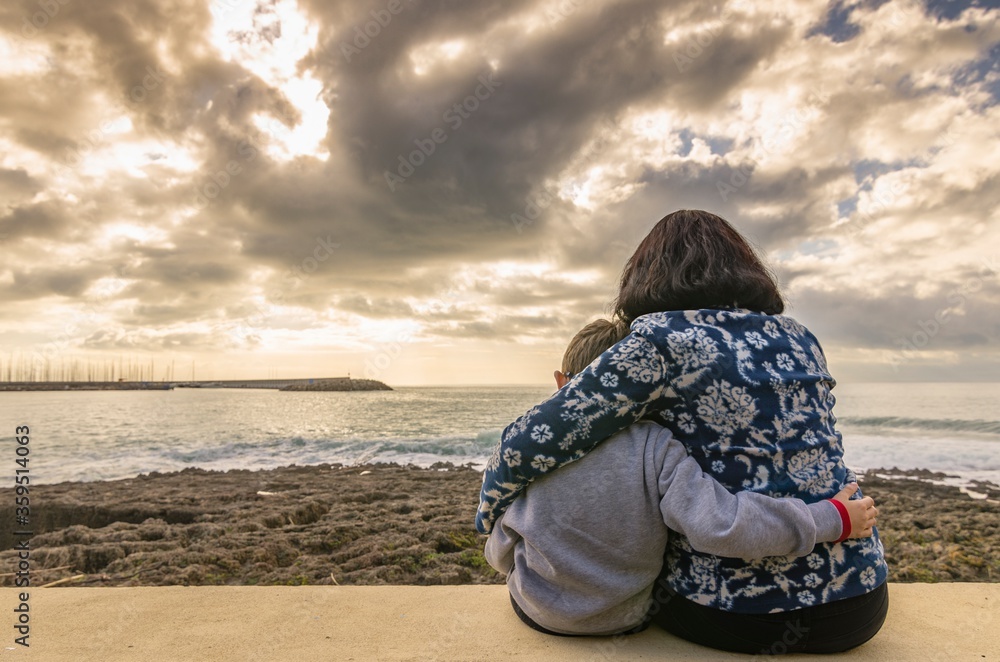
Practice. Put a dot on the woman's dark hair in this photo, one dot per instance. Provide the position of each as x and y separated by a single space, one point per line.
693 259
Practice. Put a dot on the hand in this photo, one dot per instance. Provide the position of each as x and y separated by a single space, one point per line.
862 511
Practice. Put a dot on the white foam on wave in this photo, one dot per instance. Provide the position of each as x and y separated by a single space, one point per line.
142 458
965 485
986 429
965 459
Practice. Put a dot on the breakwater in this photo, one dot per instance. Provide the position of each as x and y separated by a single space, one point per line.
311 384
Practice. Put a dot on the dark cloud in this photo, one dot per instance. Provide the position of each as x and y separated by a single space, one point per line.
375 308
50 280
320 234
505 328
548 292
960 316
42 220
136 341
545 105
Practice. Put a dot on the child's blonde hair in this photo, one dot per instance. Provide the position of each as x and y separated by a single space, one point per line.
590 342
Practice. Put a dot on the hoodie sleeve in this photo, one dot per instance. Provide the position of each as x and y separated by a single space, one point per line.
499 551
743 525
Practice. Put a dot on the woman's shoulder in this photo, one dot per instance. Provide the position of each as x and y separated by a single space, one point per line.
735 339
725 319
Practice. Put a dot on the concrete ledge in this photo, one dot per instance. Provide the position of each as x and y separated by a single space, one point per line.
926 622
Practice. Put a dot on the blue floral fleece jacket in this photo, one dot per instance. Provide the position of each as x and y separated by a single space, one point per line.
749 396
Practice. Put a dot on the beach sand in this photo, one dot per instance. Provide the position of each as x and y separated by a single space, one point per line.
385 524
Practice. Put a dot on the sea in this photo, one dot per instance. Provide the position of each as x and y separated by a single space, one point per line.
953 428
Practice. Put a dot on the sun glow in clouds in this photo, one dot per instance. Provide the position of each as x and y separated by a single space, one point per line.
104 288
270 41
22 57
142 234
427 57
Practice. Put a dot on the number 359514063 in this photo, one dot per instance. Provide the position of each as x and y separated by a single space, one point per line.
23 439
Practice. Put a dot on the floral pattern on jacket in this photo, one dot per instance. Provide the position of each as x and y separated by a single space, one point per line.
749 395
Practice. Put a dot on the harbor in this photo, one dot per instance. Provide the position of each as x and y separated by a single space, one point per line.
308 384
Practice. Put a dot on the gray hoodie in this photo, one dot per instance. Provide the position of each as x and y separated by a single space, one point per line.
582 547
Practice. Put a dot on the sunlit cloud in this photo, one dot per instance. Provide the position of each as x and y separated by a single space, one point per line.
269 41
206 184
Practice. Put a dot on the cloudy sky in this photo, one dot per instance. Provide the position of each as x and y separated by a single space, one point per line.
427 191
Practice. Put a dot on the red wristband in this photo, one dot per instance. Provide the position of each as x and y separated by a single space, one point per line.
845 520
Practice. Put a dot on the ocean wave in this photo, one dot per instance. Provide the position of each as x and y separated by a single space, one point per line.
143 456
345 450
930 424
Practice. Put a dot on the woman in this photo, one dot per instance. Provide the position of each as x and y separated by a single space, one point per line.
747 391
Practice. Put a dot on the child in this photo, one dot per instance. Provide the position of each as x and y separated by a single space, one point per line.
582 547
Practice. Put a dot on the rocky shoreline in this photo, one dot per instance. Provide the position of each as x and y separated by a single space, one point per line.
936 533
385 524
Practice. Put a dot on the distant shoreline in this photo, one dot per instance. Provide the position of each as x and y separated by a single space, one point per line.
310 384
86 386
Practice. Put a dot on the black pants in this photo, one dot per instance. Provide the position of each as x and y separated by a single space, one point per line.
833 627
535 626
